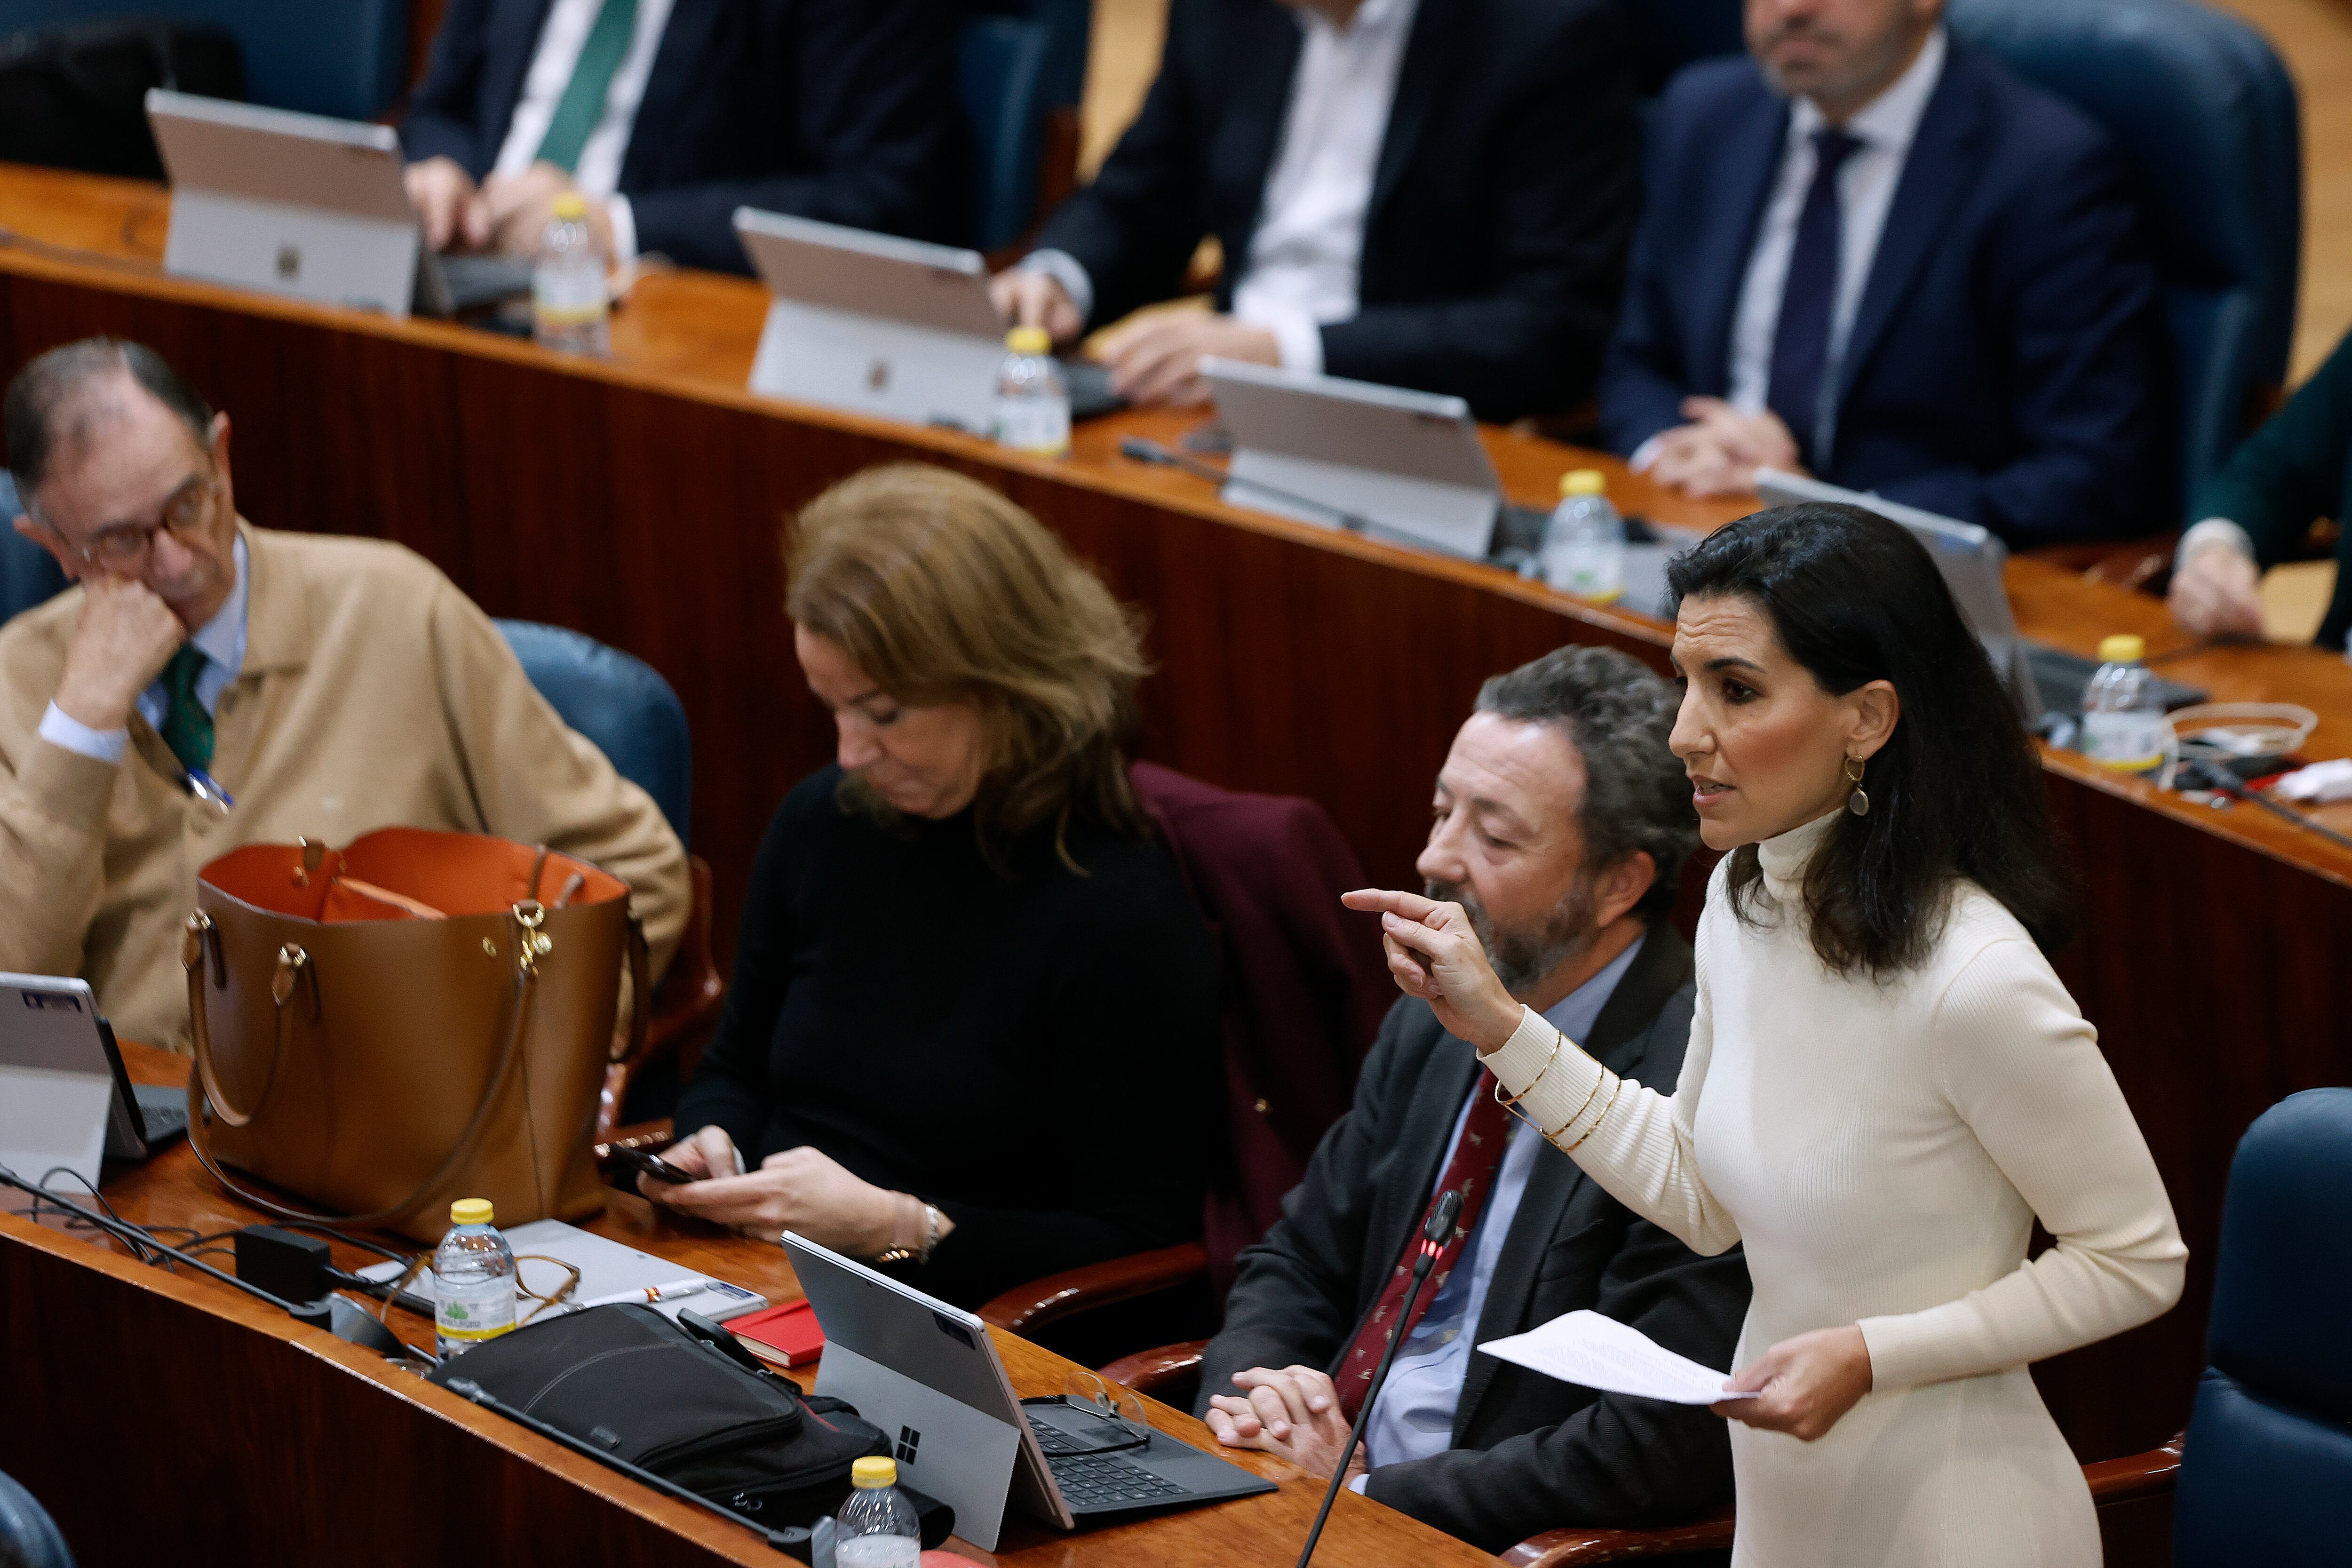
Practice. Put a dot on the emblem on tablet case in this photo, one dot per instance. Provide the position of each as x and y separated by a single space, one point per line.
908 1441
290 261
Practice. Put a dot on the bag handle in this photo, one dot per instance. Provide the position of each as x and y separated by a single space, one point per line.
533 945
641 1000
292 963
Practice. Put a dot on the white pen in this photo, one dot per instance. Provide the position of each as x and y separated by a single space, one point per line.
648 1293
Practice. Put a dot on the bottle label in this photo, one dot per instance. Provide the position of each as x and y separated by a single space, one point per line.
1039 424
878 1551
568 295
2131 742
471 1316
1595 570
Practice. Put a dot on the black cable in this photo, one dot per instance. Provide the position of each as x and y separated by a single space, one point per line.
133 1236
2212 776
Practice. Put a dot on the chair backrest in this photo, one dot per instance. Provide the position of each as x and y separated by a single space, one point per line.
2266 1472
1000 74
341 57
1670 33
1303 984
28 1536
619 701
2206 116
28 575
1069 25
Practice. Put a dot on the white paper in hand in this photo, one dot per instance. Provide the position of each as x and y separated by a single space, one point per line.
1593 1351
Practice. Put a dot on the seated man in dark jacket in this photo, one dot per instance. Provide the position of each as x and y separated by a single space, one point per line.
1562 826
1873 254
2258 511
1432 194
669 114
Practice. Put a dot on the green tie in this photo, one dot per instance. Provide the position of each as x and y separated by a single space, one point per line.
583 103
187 728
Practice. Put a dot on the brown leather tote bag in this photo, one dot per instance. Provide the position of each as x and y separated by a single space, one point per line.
419 1017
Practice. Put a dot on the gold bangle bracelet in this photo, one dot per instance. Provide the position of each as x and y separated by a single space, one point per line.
1510 1099
1597 1120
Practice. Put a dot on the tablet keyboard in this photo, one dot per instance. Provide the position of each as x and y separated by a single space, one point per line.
1105 1481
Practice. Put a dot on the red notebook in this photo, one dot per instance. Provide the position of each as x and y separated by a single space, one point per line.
787 1335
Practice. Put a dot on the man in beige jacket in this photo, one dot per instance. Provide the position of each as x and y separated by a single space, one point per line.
209 684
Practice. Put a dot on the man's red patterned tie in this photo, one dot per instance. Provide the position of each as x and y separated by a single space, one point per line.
1471 1172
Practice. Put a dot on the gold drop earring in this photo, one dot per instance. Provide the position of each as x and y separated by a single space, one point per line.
1856 803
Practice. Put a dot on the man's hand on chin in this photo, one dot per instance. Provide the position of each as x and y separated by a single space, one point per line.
1156 359
121 640
1293 1414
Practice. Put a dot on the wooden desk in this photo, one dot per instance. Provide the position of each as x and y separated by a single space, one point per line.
166 1418
639 500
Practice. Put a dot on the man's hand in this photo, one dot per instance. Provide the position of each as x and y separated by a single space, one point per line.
1718 452
1157 359
1035 299
1807 1383
795 1189
2216 592
121 640
442 193
1293 1414
512 211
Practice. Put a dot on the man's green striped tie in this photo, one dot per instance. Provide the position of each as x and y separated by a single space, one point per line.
583 103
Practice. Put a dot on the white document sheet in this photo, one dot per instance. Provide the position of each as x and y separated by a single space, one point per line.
1593 1351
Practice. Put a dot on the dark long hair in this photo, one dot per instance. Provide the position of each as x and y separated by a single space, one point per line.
1957 790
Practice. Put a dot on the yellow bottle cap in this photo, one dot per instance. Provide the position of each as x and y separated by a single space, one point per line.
570 206
1583 482
1029 341
471 1210
2122 648
874 1472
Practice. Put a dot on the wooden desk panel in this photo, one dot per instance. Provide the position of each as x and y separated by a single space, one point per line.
639 500
175 1418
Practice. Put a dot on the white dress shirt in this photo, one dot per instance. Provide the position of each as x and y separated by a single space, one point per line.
599 173
1413 1414
1885 127
1305 260
221 641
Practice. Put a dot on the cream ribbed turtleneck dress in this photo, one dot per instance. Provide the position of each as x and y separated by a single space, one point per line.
1882 1151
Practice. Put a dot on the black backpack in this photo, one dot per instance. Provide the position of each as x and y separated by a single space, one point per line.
635 1385
75 98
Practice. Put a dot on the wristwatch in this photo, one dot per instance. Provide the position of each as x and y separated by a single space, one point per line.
931 1240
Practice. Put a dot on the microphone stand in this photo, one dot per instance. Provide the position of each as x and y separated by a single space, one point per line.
1433 1241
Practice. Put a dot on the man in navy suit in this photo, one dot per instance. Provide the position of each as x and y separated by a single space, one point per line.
1872 255
668 114
1433 194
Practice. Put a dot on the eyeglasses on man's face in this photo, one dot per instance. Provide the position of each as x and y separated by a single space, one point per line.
122 548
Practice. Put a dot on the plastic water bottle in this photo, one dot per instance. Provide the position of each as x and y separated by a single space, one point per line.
876 1528
2123 713
1584 543
1032 403
567 282
473 1279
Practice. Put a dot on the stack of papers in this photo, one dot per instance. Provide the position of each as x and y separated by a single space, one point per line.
1593 1351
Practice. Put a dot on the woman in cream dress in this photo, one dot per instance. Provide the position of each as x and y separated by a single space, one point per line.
1886 1083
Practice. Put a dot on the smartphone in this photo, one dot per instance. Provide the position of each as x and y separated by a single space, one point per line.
653 1165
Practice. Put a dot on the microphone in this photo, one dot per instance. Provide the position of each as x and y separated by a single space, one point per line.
1148 451
1433 1241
